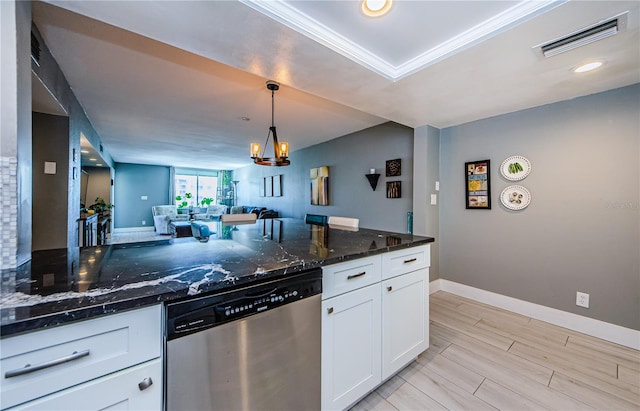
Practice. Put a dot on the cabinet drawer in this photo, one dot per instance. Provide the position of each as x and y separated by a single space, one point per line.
404 261
343 277
117 391
72 354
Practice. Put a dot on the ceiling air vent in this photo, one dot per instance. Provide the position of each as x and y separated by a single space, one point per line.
35 49
585 36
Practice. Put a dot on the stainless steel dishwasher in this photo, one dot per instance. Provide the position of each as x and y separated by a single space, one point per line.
257 348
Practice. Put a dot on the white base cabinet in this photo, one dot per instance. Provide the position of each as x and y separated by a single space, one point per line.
405 320
375 321
350 346
110 362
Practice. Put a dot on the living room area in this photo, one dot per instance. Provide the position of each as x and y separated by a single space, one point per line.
168 207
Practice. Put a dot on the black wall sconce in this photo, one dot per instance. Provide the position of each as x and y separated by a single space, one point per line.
373 178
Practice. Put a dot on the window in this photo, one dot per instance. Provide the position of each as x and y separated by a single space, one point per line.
200 183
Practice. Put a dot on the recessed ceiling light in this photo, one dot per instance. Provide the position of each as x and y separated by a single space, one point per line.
93 159
245 119
84 151
376 8
99 164
583 68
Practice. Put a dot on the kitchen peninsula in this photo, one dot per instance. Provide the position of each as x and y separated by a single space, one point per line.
57 288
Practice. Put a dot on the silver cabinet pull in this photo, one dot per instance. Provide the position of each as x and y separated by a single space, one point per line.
410 261
330 310
144 384
389 288
33 368
351 277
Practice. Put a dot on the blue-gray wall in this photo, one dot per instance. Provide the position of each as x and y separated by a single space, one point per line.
132 181
349 158
581 230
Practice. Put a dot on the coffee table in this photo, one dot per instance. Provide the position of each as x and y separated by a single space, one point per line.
180 229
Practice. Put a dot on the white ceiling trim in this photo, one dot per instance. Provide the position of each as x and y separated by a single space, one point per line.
293 18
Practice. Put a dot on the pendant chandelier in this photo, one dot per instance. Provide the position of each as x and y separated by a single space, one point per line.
281 150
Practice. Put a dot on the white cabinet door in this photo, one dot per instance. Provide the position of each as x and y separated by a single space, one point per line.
351 343
405 319
136 388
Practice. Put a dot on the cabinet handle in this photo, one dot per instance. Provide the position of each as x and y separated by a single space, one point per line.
27 369
351 277
410 261
389 288
144 384
330 310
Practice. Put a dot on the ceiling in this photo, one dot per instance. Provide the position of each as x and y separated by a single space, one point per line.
173 83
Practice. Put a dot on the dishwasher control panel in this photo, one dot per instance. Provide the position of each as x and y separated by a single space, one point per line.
190 316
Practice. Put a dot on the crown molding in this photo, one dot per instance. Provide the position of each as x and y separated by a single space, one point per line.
291 17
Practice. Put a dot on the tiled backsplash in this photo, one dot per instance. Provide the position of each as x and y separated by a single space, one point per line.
9 212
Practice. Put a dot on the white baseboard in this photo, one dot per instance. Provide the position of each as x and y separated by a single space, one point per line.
132 229
595 328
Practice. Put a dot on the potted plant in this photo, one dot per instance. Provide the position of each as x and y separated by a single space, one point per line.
100 206
183 202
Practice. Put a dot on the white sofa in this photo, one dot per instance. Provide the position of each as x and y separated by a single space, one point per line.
164 215
213 213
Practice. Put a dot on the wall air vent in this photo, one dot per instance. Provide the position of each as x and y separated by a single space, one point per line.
585 36
35 49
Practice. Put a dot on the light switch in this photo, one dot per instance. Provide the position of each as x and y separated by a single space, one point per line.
49 167
437 186
143 198
434 199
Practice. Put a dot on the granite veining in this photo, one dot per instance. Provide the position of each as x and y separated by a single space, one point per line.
59 286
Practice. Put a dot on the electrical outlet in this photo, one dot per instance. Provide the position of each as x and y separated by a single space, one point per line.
144 222
582 299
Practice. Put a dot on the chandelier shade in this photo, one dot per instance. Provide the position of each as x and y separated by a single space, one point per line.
280 149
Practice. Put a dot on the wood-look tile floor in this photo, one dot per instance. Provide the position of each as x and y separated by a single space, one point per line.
484 358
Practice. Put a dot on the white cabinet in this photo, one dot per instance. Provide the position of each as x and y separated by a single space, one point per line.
61 364
374 322
137 388
351 346
405 320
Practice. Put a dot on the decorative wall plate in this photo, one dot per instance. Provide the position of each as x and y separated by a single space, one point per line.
515 197
515 168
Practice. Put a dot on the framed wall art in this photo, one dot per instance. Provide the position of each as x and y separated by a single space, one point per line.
277 185
394 189
393 168
478 185
268 186
320 185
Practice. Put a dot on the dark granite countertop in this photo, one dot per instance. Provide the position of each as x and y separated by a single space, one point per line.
59 286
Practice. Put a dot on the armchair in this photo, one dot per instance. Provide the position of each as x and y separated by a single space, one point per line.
164 215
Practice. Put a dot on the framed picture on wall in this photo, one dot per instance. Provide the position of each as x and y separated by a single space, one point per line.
268 186
478 185
277 185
